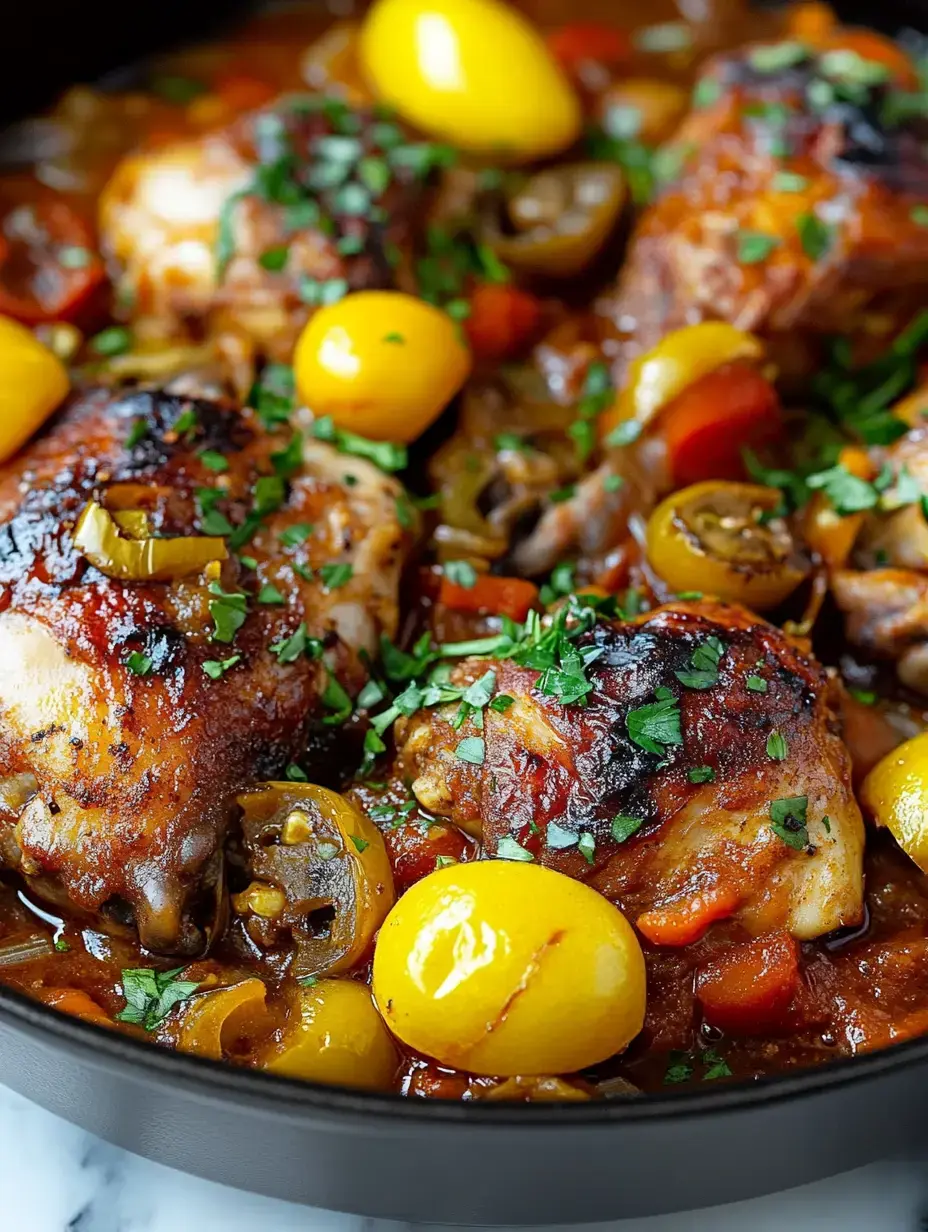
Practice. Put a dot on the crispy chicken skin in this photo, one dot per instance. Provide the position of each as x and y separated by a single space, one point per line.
705 849
861 175
134 775
191 225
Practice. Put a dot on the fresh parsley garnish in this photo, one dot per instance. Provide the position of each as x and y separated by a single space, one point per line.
151 995
701 774
777 748
229 610
705 665
508 849
657 724
788 821
471 749
460 573
216 668
139 664
624 826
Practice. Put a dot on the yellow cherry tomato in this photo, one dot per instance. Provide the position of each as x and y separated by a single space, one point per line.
33 383
679 359
722 539
380 363
503 968
335 1035
895 793
472 72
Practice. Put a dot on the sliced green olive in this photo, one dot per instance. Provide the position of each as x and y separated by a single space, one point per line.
559 219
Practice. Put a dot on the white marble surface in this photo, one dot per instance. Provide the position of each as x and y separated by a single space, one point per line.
55 1178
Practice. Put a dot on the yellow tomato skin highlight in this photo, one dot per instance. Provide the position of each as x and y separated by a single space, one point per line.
33 383
336 1036
380 363
895 793
473 73
508 968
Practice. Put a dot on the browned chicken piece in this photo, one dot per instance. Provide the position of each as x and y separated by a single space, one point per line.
687 789
793 214
253 225
883 589
131 712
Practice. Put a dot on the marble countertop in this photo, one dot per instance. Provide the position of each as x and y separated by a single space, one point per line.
55 1178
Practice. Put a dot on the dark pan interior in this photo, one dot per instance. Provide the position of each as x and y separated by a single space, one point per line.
381 1154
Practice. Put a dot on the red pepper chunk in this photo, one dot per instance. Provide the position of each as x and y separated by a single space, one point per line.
588 42
491 596
503 321
749 989
708 426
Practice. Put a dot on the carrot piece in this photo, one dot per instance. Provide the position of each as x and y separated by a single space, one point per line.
707 427
749 989
497 596
240 92
811 22
503 321
686 922
585 41
77 1003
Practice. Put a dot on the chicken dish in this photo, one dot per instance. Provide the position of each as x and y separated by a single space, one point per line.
464 547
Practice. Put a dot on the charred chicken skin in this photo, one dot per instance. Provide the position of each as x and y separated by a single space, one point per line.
793 214
131 711
678 830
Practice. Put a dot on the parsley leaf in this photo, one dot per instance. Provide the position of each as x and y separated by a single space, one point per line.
471 749
216 668
335 575
229 610
657 724
623 827
460 573
815 235
788 820
151 995
701 774
508 849
705 663
777 748
139 664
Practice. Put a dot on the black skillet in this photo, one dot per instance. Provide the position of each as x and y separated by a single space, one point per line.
410 1159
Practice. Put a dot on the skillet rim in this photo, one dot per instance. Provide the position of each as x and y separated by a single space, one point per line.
221 1083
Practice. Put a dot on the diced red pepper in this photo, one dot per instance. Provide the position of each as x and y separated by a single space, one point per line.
708 426
491 596
749 989
503 321
686 922
589 41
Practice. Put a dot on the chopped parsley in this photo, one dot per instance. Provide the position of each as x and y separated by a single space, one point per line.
460 573
501 703
598 395
137 433
139 664
292 648
789 182
701 774
704 662
755 246
508 849
777 748
558 838
657 724
151 995
216 668
471 749
335 575
775 57
214 461
384 454
274 259
624 826
269 595
815 235
846 493
788 821
115 340
296 534
586 845
229 610
756 684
